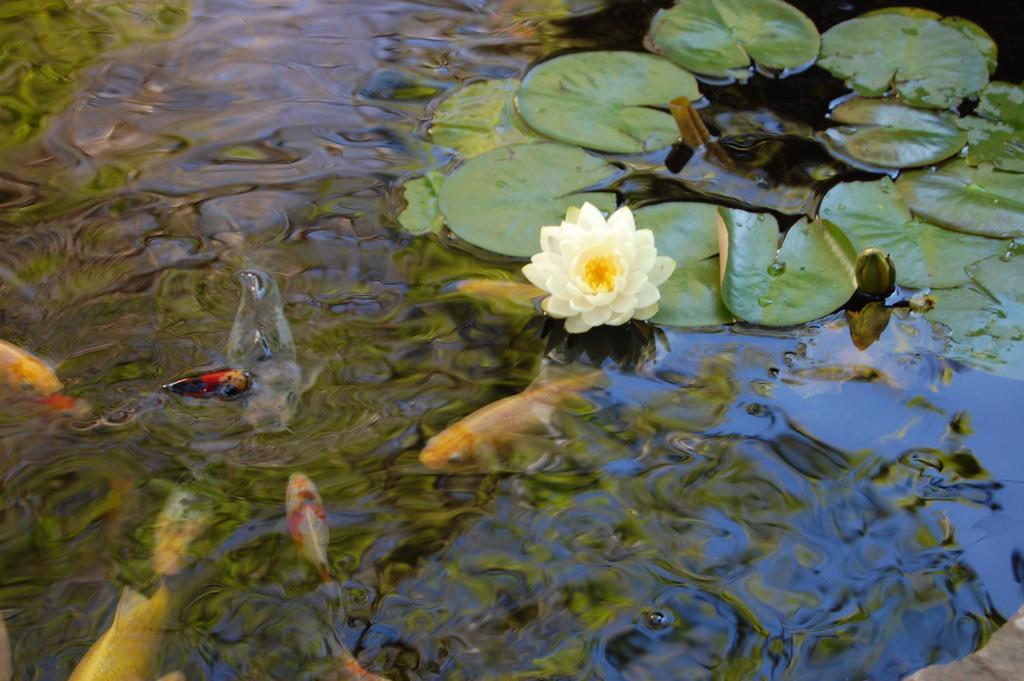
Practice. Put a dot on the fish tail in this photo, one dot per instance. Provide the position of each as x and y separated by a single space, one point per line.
59 402
325 573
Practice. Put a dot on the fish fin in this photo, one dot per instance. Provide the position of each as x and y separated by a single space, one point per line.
173 676
130 601
325 575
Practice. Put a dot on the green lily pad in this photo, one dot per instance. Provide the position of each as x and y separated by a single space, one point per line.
421 214
480 117
810 276
883 133
929 63
604 100
996 134
692 296
499 200
721 38
688 233
986 320
682 230
968 28
873 214
974 200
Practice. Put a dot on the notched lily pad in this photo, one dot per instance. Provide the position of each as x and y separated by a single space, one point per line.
479 117
884 134
978 200
996 133
610 101
421 214
500 199
722 38
810 276
928 62
688 233
873 214
986 319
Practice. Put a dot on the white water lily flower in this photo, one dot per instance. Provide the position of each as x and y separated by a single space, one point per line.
598 272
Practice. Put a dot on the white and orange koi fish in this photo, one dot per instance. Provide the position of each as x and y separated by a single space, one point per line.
307 521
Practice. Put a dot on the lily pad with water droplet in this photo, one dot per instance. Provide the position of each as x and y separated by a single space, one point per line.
499 200
927 62
479 117
978 200
873 214
722 38
996 133
610 101
421 214
882 133
810 276
688 233
986 319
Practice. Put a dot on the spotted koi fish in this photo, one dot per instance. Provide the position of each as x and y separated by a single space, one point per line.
224 384
307 521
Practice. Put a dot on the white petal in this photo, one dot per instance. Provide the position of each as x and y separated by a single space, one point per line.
623 219
590 217
643 238
557 284
602 299
597 316
645 312
662 270
624 304
536 274
550 239
581 304
635 282
644 260
576 325
648 295
620 318
558 308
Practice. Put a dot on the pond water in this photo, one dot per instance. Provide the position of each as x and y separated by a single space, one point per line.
731 504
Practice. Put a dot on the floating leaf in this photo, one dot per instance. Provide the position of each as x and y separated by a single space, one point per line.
480 117
986 320
682 231
809 277
605 100
421 214
873 214
688 233
500 199
886 134
721 38
973 200
927 62
981 39
996 134
692 296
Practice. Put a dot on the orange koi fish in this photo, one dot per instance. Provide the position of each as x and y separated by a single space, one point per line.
223 384
307 521
481 434
25 376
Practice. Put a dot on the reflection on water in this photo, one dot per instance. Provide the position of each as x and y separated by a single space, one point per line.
731 505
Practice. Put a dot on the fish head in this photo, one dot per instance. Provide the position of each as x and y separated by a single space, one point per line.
453 447
33 377
301 490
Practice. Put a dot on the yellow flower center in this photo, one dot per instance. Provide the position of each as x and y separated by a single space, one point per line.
599 272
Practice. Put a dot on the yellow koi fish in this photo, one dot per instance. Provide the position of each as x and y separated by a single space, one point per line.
179 523
516 292
6 669
485 431
130 648
307 521
24 375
